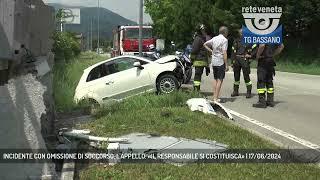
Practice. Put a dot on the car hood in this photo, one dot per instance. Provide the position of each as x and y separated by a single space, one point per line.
166 59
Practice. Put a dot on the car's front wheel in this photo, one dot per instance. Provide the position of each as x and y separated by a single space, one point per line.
167 83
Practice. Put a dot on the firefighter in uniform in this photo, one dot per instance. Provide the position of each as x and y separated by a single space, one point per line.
241 55
199 56
265 72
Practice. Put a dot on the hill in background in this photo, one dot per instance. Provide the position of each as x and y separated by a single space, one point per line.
108 21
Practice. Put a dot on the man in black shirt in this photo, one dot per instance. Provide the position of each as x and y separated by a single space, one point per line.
265 72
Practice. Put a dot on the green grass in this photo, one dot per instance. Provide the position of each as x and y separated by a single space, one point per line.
66 78
168 115
203 171
303 60
312 69
286 66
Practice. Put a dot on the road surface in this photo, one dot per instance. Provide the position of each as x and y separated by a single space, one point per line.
295 120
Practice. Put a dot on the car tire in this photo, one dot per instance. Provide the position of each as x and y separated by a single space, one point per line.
90 105
167 84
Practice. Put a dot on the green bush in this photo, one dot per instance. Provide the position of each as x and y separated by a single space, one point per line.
66 46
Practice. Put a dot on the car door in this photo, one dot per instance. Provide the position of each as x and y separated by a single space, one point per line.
97 83
127 79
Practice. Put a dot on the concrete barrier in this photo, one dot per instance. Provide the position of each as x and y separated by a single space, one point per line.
28 22
27 107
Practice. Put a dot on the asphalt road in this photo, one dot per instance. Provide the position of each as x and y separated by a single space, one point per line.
295 120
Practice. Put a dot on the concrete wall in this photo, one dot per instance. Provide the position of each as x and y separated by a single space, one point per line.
6 28
28 22
27 113
24 116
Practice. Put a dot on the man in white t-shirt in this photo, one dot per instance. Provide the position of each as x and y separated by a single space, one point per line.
218 46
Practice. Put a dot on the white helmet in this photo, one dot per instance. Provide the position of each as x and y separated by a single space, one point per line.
151 47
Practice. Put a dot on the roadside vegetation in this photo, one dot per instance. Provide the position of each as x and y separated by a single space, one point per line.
169 115
66 46
67 76
312 69
304 60
176 21
287 66
163 115
69 65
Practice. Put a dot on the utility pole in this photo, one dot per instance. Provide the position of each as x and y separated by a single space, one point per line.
91 41
88 39
61 11
61 26
98 45
140 27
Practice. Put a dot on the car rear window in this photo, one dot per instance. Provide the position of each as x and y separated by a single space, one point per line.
96 73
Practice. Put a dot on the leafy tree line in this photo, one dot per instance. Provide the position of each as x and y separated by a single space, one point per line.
176 20
66 45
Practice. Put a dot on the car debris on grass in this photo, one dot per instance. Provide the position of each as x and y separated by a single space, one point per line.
208 107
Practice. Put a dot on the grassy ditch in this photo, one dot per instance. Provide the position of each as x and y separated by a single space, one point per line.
168 115
67 76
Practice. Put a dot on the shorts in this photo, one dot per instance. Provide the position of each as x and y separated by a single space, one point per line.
219 72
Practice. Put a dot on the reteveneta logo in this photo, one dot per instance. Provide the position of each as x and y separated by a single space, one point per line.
262 25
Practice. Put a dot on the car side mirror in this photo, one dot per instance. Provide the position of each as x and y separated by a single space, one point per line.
138 65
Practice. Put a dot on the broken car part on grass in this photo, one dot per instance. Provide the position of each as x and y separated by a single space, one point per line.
208 107
84 135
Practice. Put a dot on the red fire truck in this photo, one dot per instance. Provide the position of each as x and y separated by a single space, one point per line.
126 40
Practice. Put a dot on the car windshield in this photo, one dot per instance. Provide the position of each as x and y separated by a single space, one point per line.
133 33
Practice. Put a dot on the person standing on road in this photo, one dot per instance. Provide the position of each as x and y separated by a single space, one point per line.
265 73
218 46
241 54
199 56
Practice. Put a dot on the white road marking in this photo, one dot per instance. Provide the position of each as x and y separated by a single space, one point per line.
278 131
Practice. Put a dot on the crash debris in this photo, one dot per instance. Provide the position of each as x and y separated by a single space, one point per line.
84 135
202 105
139 143
148 144
208 107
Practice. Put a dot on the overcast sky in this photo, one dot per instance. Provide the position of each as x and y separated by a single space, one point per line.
126 8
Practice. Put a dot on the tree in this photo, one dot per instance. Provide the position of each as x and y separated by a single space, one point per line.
65 46
176 20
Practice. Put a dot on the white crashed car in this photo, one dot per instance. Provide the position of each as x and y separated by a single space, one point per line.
124 76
